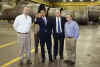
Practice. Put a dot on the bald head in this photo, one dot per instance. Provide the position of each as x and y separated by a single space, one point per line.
26 10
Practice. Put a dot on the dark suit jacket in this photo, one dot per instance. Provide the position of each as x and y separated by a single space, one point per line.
45 30
62 25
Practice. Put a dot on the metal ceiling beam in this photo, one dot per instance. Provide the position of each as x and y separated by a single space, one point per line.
77 3
62 4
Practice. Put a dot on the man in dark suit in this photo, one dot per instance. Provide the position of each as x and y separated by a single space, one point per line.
45 34
58 34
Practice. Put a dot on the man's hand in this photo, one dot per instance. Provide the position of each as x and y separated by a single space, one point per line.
38 15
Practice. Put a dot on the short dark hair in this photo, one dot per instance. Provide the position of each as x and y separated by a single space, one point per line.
41 7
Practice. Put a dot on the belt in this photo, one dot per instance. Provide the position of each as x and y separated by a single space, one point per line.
69 37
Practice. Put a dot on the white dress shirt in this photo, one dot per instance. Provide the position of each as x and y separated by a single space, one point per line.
58 18
22 23
45 20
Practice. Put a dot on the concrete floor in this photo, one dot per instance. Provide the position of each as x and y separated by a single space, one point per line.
88 48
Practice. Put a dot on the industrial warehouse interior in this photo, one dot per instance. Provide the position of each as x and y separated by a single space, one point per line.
86 14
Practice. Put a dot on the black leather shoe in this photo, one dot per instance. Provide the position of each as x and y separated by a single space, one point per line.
51 61
61 58
29 62
43 61
36 51
55 58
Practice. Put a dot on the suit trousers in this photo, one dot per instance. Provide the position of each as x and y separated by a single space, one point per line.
58 46
48 43
36 37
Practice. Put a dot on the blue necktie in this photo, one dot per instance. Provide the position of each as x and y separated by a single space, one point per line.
59 26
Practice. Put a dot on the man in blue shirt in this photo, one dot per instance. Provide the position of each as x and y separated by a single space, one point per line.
71 36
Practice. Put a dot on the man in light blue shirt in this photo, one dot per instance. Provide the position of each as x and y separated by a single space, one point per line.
71 36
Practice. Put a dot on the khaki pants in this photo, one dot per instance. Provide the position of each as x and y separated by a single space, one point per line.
71 48
25 45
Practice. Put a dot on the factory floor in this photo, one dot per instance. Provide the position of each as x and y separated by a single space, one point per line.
88 49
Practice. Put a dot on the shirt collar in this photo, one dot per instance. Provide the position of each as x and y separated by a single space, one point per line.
43 16
70 21
25 16
57 17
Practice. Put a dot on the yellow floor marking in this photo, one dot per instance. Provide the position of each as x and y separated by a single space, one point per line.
7 44
15 60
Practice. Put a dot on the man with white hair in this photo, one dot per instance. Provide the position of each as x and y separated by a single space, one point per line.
58 34
22 26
